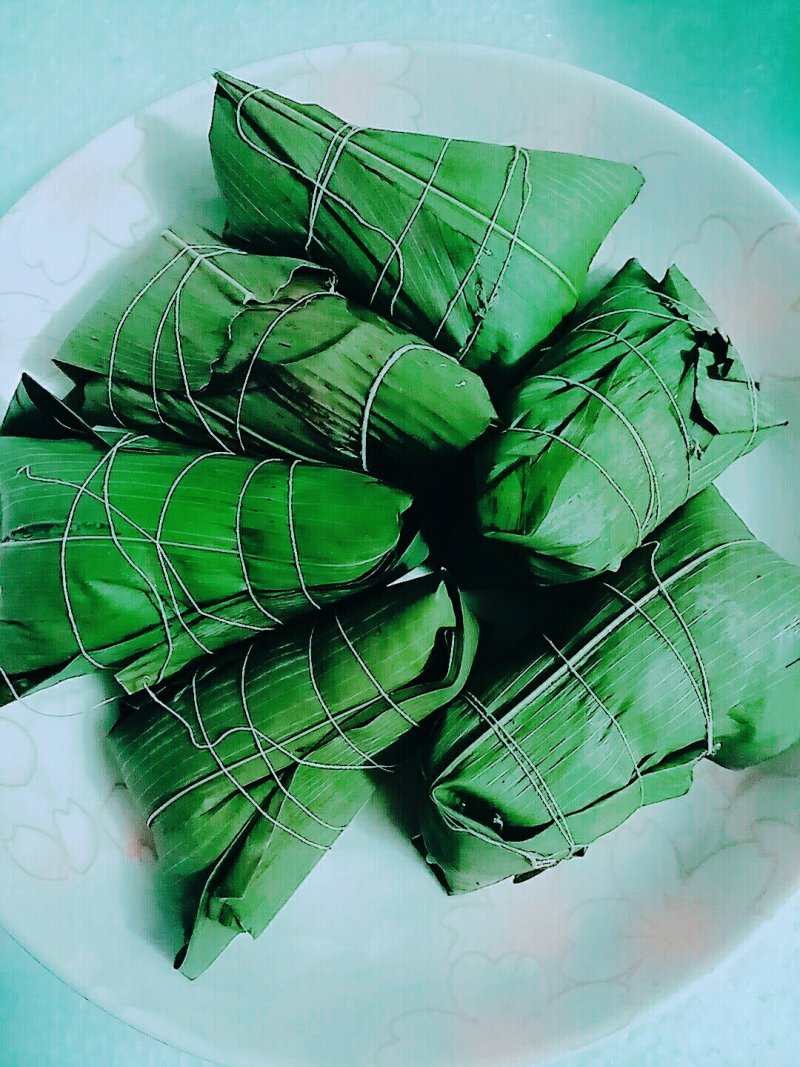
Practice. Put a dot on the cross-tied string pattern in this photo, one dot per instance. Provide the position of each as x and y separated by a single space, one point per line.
612 718
264 743
752 389
169 607
653 513
253 94
604 473
711 746
197 255
671 399
342 141
532 774
519 681
568 665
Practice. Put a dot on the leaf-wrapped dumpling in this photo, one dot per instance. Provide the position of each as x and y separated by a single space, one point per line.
260 354
479 248
137 555
692 650
249 769
640 405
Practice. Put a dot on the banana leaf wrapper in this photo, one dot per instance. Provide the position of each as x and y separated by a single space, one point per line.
260 354
692 650
640 405
250 769
480 248
136 555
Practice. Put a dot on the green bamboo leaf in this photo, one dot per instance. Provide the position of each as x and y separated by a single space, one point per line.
138 555
261 355
479 248
637 407
250 768
691 650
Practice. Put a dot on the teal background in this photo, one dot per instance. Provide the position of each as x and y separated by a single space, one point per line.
71 68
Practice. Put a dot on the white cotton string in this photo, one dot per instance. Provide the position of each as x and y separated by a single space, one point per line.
404 233
589 459
223 772
241 789
104 500
30 542
363 665
157 598
653 513
294 306
322 181
259 437
404 174
199 745
629 311
662 298
373 392
667 640
168 567
605 709
528 768
162 324
534 860
214 268
301 174
490 229
15 695
166 564
312 205
263 753
112 355
239 544
293 538
684 430
159 546
173 305
184 373
270 742
706 703
751 388
713 327
63 553
331 718
597 640
201 255
526 195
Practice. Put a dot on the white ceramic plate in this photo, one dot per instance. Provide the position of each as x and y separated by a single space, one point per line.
370 964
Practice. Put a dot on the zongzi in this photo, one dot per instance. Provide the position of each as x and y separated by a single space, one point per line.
249 769
479 248
261 355
692 650
136 555
640 405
